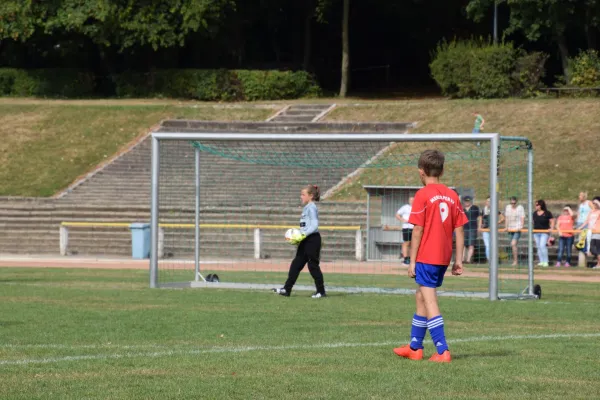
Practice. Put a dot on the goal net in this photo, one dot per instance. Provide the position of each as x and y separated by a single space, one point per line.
222 202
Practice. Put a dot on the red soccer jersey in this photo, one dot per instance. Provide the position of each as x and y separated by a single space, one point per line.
438 210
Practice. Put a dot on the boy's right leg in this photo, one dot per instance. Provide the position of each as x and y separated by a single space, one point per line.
414 350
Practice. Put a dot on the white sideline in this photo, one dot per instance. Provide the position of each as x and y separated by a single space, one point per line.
245 349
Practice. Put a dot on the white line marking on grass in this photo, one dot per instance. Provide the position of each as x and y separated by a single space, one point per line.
83 346
245 349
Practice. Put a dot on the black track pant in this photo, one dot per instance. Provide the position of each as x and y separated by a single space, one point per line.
309 251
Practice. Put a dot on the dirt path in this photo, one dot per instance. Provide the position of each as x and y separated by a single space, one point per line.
349 267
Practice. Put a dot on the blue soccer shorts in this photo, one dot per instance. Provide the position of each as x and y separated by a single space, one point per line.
430 275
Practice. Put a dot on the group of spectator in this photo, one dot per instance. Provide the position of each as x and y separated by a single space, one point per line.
583 225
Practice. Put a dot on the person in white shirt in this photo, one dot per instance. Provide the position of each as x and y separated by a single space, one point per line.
514 219
402 215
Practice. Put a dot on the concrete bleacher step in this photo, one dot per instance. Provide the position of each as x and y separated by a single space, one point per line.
120 192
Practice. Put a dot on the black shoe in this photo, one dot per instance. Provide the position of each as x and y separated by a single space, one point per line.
282 292
318 295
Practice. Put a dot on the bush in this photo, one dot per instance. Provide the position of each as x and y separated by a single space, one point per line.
476 68
7 81
46 82
277 85
528 73
217 85
585 69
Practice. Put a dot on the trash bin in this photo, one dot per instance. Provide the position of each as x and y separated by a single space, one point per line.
140 240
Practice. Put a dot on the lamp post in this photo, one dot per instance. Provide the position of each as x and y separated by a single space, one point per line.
495 22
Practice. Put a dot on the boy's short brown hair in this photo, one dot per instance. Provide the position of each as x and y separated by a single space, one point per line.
432 163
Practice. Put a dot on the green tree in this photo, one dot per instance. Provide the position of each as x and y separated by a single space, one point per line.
118 23
547 18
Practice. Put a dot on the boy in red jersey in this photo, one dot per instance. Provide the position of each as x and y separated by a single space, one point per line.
436 214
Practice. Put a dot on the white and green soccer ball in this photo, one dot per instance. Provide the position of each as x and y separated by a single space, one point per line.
293 235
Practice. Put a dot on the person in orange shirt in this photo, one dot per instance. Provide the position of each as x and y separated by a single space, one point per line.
565 224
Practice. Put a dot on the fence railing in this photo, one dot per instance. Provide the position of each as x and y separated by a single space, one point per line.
258 233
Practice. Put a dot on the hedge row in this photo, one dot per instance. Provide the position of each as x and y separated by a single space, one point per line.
46 82
475 68
209 85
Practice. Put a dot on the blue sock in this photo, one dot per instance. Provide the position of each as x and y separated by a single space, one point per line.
436 329
417 332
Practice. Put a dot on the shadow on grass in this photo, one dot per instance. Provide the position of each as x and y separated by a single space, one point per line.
20 280
4 324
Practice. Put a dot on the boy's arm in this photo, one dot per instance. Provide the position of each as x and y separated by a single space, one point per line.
417 234
457 268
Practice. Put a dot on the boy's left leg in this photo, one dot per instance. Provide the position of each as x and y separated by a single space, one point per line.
435 324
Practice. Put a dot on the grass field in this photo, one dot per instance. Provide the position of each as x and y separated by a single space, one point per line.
102 334
44 146
562 131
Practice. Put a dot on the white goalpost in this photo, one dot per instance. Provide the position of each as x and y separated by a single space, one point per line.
221 202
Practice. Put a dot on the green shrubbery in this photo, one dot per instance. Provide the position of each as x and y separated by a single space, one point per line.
476 68
46 82
208 85
585 69
218 85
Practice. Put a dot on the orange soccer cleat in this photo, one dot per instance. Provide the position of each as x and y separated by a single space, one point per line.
407 352
441 358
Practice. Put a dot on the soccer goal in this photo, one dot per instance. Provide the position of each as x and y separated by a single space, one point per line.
221 203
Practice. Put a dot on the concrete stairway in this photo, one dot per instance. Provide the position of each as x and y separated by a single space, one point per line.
304 113
223 181
33 228
232 191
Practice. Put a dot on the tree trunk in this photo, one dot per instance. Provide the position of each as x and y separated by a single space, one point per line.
591 36
591 29
564 55
345 51
307 37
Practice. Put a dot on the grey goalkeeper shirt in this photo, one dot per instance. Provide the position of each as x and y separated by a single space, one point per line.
309 221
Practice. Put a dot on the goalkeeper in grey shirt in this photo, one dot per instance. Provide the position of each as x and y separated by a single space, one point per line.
309 245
